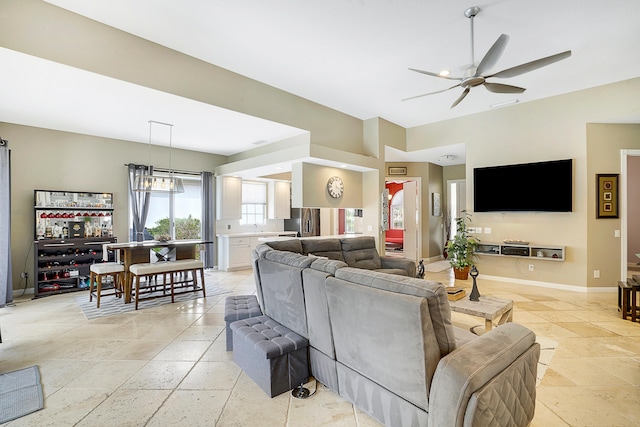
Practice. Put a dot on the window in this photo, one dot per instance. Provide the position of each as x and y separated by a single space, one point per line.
349 220
397 210
176 214
254 203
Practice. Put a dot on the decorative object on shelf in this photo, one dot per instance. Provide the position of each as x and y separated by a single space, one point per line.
150 183
475 294
335 187
607 189
461 248
515 242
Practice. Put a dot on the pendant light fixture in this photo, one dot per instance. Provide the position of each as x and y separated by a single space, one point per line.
149 183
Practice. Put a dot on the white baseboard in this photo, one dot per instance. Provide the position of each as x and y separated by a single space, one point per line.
559 286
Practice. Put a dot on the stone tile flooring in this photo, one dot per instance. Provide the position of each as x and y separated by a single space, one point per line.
168 365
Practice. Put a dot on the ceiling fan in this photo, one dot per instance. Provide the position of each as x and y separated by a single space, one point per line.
475 75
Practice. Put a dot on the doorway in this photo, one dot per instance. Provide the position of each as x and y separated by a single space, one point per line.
456 203
402 239
630 208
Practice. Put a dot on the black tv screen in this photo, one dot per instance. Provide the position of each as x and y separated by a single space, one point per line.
528 187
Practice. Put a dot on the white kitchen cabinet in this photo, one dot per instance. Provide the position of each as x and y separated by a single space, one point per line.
234 253
234 250
279 200
228 197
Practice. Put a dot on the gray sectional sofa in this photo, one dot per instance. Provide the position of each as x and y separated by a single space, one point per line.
386 343
358 252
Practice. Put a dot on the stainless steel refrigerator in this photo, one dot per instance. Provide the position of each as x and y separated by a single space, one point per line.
306 221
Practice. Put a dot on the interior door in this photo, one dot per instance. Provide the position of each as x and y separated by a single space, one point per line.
410 245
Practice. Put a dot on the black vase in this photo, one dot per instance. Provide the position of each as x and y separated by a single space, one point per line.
475 294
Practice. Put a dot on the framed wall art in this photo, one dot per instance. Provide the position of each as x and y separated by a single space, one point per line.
397 170
607 195
436 211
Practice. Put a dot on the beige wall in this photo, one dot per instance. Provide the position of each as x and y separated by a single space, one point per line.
604 142
309 187
552 128
43 159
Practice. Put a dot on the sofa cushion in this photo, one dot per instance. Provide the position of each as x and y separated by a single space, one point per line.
434 292
385 336
289 245
397 271
289 258
361 252
282 293
327 265
329 248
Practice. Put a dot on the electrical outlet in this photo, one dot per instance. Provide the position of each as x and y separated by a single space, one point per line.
531 268
596 274
487 230
24 275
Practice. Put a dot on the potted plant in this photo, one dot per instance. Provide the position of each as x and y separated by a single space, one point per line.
461 248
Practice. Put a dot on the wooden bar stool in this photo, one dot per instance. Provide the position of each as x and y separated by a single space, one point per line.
100 270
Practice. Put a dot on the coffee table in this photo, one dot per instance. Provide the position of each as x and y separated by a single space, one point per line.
494 311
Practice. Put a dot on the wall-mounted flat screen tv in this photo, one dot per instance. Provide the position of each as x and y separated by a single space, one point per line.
529 187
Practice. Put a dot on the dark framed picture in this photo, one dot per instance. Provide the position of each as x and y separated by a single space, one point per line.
397 170
607 195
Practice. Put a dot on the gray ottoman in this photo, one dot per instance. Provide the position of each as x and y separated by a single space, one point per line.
273 356
238 307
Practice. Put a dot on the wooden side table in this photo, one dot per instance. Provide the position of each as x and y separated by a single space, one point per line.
494 311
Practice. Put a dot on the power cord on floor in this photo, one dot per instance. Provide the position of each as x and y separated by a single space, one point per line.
301 392
26 278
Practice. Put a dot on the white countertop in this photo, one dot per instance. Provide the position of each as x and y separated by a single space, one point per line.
259 234
279 237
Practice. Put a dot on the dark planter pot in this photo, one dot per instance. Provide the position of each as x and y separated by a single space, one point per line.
461 273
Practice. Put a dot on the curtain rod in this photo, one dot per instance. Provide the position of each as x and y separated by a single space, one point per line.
164 170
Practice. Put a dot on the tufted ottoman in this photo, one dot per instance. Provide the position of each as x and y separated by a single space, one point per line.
273 356
238 307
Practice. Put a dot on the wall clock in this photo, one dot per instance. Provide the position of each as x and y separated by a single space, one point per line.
335 187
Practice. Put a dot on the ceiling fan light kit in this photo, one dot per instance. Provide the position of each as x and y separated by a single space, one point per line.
475 75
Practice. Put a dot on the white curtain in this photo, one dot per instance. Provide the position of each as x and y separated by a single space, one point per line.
6 279
208 219
139 201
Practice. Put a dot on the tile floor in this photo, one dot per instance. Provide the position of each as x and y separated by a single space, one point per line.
168 365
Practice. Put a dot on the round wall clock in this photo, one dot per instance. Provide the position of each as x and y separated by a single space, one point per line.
335 187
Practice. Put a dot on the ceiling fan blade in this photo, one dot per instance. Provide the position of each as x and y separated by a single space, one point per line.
502 88
530 66
429 73
493 55
466 91
431 93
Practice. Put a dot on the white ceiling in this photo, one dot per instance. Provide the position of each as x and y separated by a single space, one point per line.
350 55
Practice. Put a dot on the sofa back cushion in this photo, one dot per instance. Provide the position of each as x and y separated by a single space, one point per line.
434 292
385 336
361 252
289 245
281 282
329 248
